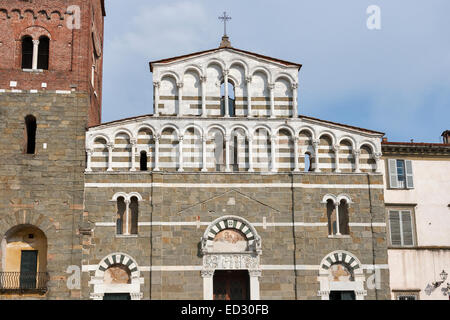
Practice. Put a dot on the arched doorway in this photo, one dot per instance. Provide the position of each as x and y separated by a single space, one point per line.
231 251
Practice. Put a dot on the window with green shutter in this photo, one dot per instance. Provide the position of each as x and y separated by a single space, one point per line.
401 228
400 174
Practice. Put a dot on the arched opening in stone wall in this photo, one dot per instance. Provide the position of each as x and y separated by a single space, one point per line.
43 53
121 208
27 52
24 264
134 215
231 285
30 134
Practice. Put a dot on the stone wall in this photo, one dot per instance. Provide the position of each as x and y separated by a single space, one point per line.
178 207
45 189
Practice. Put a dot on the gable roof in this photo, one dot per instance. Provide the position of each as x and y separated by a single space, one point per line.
167 60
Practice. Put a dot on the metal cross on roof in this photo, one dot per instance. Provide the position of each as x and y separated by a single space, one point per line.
225 18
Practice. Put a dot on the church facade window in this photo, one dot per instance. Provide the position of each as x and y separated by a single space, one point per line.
43 53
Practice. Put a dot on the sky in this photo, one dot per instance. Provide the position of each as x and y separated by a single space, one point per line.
395 79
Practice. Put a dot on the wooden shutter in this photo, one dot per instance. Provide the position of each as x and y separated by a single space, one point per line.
393 180
409 174
407 231
394 227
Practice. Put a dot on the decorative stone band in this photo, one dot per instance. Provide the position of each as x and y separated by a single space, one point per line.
118 259
231 224
341 257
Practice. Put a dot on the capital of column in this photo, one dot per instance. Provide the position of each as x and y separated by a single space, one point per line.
36 42
336 148
254 273
294 86
227 138
180 138
207 273
133 141
110 146
356 153
157 137
203 79
316 143
271 86
250 138
226 72
377 155
90 151
157 84
248 79
180 84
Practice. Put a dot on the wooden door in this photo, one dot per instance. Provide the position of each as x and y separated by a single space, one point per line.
28 269
231 285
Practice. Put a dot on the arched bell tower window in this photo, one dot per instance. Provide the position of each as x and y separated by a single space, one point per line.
43 53
27 52
30 134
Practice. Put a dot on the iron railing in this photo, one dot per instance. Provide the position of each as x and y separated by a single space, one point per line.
23 281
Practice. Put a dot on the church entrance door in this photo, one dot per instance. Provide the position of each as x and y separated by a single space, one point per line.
231 285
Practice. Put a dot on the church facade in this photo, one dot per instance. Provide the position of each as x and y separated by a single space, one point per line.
224 192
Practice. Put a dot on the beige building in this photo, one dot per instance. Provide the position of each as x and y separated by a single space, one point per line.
417 198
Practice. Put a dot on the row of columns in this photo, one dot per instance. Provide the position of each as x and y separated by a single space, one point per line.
273 139
248 80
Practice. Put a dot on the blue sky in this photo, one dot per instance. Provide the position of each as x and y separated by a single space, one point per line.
395 80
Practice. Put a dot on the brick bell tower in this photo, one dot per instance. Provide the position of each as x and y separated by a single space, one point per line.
51 57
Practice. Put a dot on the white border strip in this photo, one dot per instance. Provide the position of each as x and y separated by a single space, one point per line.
307 267
231 185
256 224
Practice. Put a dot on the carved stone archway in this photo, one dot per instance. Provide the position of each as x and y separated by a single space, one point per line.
133 287
243 258
350 263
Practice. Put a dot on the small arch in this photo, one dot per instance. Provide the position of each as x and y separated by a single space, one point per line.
285 76
285 127
329 134
216 61
217 127
241 63
263 70
170 74
123 131
30 134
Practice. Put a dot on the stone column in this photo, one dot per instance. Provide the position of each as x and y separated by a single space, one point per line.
35 54
248 80
336 148
316 143
377 157
89 153
207 276
180 99
180 153
225 81
204 150
203 81
272 100
254 284
127 217
296 164
227 153
133 154
250 154
273 151
336 206
110 151
156 86
295 100
157 138
356 154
